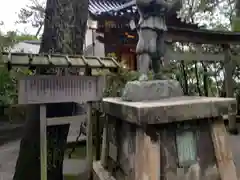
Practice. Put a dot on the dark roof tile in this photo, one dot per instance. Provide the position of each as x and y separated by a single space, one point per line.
103 6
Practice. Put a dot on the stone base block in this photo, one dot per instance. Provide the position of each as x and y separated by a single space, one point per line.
151 90
169 110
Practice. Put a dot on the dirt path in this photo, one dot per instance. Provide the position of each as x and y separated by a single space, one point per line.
9 154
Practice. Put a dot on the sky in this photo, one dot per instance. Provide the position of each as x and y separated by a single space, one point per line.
8 14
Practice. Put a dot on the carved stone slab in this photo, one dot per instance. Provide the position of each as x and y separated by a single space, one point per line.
56 89
151 90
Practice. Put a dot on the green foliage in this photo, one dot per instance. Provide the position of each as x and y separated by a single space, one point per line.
5 42
196 78
13 37
7 88
70 177
8 83
236 24
115 82
23 37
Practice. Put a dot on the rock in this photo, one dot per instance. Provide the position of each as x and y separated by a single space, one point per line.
151 90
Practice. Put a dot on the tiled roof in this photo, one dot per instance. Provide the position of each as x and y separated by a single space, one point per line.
98 7
128 9
41 60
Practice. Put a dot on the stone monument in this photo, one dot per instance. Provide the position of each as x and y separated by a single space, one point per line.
151 34
153 132
177 138
150 49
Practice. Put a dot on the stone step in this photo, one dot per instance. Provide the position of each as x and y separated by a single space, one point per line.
74 166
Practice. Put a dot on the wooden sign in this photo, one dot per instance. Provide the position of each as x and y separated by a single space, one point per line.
57 89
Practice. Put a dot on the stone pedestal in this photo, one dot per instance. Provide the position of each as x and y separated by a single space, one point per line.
179 138
151 90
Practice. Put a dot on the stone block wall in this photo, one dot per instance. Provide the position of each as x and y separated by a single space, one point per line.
152 150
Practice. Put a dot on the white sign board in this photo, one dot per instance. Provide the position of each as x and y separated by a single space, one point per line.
57 89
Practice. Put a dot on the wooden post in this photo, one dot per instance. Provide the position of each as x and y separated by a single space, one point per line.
105 143
88 72
228 66
89 140
98 134
43 141
224 157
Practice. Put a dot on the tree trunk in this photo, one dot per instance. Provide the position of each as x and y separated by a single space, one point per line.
64 32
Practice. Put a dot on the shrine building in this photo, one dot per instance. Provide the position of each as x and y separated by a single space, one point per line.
114 31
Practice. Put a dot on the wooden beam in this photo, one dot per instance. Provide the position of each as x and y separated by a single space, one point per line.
202 36
170 54
228 73
223 153
65 120
190 56
198 56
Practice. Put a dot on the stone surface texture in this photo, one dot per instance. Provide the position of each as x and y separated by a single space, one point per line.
151 90
170 109
99 173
